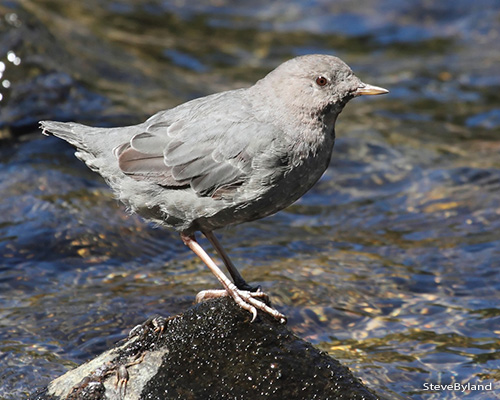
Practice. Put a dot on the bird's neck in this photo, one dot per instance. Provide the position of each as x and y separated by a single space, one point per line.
305 132
314 138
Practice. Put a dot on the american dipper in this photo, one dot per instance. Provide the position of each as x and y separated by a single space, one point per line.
226 158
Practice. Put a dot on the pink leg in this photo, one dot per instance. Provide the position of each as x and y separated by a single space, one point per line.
245 299
237 278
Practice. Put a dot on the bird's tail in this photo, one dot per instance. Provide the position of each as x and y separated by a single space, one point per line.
87 141
94 146
71 132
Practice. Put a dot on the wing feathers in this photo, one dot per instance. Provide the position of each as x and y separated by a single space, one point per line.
143 166
148 143
224 175
203 146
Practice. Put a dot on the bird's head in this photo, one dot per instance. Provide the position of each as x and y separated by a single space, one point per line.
316 84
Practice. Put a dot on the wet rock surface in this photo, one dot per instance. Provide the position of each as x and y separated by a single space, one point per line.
212 351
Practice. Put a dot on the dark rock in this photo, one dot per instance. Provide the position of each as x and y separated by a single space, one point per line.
212 351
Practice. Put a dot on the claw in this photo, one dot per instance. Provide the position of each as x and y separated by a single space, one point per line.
250 301
253 310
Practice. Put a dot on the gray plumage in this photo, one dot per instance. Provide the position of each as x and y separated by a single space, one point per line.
226 158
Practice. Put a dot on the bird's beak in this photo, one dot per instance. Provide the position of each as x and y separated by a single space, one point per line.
365 89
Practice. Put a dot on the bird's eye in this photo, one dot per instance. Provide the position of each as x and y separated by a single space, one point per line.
321 81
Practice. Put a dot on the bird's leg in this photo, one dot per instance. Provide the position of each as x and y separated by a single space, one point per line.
237 278
249 301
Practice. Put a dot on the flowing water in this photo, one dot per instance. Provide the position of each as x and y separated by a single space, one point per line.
390 263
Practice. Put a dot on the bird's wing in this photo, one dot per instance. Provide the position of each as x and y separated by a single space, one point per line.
208 146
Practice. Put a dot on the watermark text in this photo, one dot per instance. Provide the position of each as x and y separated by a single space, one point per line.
468 387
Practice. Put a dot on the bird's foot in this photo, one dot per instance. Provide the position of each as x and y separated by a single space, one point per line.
248 300
247 288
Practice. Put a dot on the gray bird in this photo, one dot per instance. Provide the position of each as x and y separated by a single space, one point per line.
226 158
